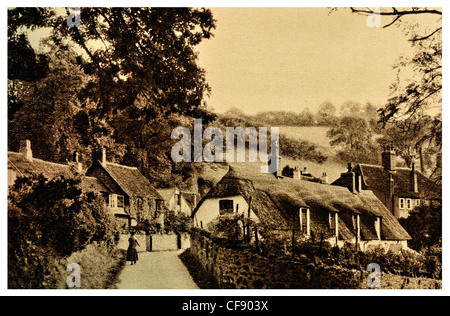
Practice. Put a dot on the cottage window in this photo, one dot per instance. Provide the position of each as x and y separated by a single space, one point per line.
408 203
332 222
417 202
225 207
402 203
120 201
113 200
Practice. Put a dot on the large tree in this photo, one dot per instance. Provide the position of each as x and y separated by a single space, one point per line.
124 72
416 96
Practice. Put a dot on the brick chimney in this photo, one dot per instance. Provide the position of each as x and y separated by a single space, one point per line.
414 187
99 154
25 149
388 158
348 179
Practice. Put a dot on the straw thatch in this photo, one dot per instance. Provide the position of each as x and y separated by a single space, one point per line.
276 202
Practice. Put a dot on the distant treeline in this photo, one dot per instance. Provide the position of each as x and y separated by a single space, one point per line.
326 114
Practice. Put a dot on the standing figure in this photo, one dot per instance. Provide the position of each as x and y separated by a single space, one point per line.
132 252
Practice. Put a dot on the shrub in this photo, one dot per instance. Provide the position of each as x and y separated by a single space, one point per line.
48 220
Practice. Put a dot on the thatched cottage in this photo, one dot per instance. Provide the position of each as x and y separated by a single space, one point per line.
400 189
311 208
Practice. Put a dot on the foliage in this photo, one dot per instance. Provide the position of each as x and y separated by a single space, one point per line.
178 223
126 93
354 138
49 220
424 225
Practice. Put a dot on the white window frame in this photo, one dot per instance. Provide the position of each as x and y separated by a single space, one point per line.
408 204
304 229
113 200
401 203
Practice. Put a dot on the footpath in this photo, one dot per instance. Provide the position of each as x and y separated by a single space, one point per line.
156 270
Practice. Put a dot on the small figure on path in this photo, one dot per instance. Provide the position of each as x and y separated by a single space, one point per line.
132 252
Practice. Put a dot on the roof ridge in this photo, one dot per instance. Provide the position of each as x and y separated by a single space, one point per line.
119 165
40 160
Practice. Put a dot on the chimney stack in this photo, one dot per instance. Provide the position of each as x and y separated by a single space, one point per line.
348 179
414 187
25 149
388 158
99 154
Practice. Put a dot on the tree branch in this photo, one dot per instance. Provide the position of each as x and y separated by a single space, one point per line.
415 39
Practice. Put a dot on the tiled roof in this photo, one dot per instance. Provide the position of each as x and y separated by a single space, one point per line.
131 180
376 177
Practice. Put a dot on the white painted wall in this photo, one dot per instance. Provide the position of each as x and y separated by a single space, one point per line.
183 208
209 210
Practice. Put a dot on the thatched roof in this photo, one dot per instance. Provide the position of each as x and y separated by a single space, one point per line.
50 170
17 162
276 202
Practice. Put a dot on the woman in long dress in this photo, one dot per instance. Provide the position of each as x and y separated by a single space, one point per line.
132 252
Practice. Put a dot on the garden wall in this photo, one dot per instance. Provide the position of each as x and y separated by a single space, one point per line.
243 269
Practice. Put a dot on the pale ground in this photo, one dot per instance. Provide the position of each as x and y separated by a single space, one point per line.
156 270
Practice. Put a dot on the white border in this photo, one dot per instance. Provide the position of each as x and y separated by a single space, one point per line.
200 293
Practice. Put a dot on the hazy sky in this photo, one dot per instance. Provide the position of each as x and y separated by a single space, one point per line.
293 58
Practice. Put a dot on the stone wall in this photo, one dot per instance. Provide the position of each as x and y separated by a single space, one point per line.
244 269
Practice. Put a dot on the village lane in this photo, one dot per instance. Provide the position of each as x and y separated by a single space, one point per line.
157 270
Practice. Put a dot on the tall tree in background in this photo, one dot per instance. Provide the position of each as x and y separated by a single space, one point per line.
354 140
417 97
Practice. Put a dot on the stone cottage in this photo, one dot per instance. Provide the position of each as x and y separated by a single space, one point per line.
130 192
313 209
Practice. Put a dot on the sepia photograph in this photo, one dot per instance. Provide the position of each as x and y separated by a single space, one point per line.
224 148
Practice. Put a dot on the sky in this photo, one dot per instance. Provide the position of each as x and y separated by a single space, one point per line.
295 58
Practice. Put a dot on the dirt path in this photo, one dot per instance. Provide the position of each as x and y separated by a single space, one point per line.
156 270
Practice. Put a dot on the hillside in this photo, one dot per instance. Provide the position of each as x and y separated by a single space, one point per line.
316 135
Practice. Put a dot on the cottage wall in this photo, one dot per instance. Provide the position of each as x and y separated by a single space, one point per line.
209 210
